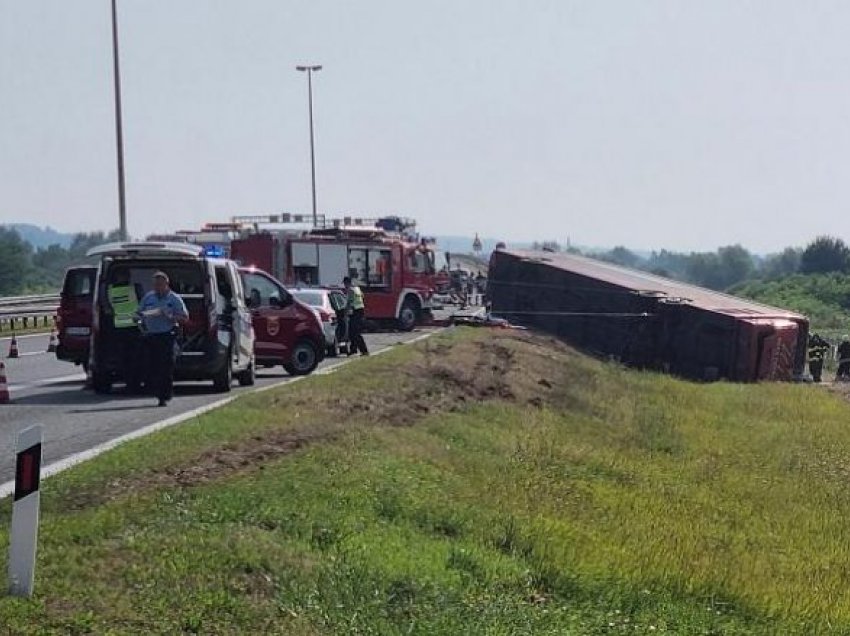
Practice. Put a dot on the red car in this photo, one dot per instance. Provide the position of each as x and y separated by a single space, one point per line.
287 331
74 317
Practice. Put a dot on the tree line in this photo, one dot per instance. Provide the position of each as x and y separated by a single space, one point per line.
729 265
25 269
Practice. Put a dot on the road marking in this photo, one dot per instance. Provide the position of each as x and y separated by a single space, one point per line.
8 488
32 353
25 336
46 382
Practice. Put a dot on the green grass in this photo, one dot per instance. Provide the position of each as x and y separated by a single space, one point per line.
543 493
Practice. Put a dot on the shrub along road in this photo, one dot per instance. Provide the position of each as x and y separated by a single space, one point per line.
476 482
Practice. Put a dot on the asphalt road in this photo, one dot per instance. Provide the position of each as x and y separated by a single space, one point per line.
49 392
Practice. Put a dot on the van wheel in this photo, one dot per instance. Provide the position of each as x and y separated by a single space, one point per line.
247 377
223 380
305 358
101 383
408 315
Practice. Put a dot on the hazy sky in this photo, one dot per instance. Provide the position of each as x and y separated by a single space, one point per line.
652 124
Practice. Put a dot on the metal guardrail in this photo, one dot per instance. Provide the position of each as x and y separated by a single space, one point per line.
41 299
28 312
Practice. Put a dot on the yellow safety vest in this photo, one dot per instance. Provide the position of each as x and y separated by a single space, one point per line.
355 298
124 305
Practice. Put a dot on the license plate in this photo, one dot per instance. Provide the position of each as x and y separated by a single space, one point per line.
77 331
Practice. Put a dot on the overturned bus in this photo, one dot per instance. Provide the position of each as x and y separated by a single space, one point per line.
645 320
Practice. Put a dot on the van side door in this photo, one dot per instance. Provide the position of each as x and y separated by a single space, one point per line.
243 327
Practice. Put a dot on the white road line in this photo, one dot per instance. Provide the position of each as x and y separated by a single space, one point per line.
77 458
46 382
32 353
29 335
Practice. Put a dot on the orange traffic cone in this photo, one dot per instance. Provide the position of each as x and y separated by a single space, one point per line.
4 387
13 348
51 346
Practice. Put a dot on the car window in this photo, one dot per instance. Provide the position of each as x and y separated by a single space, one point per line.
337 301
312 298
79 282
261 290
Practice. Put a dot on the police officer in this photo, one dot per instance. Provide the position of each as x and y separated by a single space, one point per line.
161 311
818 347
356 309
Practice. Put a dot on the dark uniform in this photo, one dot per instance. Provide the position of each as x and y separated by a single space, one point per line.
843 360
161 312
818 348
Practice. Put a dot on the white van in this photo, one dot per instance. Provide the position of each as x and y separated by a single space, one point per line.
217 342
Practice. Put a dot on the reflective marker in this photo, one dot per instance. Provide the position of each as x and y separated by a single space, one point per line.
25 510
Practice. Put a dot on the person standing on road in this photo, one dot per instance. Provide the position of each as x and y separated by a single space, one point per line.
123 304
818 348
843 372
161 312
356 310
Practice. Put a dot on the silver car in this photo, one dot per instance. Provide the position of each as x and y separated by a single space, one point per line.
329 305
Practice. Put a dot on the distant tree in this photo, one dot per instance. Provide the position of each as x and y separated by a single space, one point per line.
14 262
703 268
621 256
549 246
785 263
736 265
825 254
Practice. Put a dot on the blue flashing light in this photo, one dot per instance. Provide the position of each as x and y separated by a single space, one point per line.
214 251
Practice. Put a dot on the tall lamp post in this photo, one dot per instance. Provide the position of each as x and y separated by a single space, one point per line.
119 133
309 70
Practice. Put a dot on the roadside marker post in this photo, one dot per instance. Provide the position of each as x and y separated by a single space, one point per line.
25 511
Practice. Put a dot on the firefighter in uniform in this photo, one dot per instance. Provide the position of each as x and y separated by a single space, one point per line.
843 372
356 309
818 348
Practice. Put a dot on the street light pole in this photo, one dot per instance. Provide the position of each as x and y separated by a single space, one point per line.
309 70
119 133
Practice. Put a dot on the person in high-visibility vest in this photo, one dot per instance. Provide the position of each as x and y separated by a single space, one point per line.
123 300
356 310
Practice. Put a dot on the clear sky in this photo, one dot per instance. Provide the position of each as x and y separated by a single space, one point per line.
649 123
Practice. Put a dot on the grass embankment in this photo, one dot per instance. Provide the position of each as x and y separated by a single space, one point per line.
479 482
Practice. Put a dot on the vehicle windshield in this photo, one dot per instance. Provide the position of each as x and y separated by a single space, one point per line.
312 298
422 261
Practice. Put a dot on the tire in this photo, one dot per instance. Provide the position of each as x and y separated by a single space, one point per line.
333 350
408 315
305 358
101 383
223 380
247 377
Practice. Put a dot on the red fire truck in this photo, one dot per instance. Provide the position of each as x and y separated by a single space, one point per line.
393 267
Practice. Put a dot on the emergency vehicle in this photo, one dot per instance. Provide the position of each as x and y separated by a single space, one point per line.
384 257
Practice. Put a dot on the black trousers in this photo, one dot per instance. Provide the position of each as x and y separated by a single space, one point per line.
160 364
816 369
843 370
355 332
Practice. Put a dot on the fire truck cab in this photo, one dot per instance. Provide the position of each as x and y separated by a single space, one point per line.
395 272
